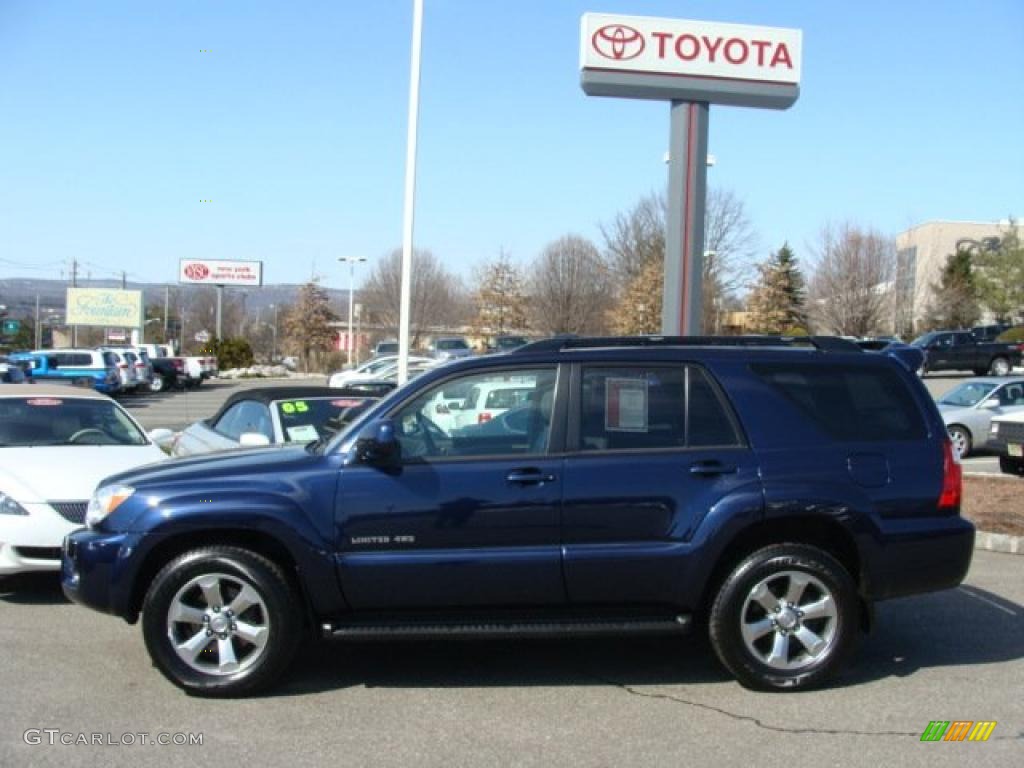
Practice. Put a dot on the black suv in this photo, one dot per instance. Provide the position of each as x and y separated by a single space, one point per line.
768 490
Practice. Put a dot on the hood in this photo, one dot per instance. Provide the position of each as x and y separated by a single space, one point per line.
245 461
67 473
948 410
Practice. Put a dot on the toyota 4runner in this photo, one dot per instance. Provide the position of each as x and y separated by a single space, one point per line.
768 490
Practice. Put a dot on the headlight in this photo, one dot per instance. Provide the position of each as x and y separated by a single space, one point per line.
8 506
106 500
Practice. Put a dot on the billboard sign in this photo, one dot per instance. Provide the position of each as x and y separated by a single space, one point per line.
685 60
212 272
104 307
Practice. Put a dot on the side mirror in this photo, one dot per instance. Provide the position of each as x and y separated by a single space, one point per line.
254 440
377 444
162 437
992 402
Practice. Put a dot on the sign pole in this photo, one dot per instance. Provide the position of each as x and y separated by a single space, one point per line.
220 297
681 309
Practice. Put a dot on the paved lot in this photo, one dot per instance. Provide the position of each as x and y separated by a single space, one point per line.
952 655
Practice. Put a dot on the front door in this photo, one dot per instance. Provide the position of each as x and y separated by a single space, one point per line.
653 450
470 517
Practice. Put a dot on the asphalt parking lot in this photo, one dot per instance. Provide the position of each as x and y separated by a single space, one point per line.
953 655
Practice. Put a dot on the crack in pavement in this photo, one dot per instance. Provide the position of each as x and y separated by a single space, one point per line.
767 726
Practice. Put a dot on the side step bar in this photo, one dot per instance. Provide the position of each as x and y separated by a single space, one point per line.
511 628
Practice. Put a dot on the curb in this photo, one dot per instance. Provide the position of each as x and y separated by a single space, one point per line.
999 542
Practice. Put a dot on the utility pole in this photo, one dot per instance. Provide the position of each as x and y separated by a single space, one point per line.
352 261
39 328
74 284
167 301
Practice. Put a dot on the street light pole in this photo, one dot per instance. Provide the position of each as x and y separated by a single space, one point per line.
352 261
273 349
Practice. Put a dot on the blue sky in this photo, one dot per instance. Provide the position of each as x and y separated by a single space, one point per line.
113 127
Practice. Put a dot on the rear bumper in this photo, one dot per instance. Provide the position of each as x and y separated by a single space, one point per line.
919 555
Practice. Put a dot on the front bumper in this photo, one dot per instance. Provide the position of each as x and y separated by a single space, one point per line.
32 542
97 570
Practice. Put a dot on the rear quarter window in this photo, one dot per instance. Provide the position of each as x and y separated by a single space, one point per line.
850 404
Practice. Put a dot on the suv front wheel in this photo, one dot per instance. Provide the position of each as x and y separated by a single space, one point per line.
785 618
221 621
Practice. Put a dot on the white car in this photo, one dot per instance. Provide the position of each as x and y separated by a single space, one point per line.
372 368
56 444
486 400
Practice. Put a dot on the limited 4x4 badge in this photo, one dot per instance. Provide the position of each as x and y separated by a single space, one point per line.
383 539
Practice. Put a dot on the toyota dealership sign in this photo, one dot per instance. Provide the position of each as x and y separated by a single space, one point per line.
699 61
207 272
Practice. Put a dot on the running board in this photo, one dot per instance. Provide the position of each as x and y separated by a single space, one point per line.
497 628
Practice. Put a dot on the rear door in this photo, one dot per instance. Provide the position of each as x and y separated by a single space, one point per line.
652 450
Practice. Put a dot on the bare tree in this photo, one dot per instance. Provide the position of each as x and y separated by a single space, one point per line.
570 287
850 289
307 329
636 238
437 295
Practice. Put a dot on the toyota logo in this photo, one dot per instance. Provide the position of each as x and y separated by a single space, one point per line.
197 271
619 42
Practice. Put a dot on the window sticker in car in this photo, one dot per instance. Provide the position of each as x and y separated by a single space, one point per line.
302 433
44 401
298 406
625 405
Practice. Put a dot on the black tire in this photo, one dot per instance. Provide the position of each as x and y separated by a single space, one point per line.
961 436
258 666
1000 366
1011 466
733 610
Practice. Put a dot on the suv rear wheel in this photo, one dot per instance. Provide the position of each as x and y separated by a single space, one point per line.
221 621
785 618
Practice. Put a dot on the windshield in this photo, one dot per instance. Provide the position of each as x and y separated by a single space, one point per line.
307 419
923 341
45 421
968 394
448 344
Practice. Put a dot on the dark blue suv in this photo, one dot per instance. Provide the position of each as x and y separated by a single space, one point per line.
767 490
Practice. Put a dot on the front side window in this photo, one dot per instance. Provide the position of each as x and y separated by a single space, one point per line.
243 417
651 408
440 424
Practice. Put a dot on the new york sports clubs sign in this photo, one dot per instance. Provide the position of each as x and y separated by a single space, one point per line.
208 272
643 57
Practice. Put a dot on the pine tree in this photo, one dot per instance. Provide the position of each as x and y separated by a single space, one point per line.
954 299
500 298
778 299
307 328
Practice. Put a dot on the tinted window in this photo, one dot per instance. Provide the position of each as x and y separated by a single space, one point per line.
507 398
74 359
646 409
849 404
452 344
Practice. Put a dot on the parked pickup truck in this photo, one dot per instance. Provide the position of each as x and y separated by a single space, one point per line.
168 373
961 351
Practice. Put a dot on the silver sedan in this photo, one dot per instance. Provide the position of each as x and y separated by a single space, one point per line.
969 408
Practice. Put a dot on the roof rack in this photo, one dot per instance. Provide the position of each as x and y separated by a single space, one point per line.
821 343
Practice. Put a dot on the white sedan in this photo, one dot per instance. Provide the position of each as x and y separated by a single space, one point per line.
376 368
56 444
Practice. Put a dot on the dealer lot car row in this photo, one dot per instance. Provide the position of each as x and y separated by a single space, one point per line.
765 490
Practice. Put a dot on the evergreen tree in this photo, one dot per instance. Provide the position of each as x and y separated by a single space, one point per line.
999 273
954 299
778 299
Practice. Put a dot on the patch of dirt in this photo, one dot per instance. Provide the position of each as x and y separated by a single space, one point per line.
995 504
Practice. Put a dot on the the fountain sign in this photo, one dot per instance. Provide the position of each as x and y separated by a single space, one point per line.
104 307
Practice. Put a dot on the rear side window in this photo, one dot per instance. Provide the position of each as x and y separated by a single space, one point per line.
651 408
75 359
849 404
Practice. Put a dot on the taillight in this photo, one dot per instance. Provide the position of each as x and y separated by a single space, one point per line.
123 366
952 478
481 418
